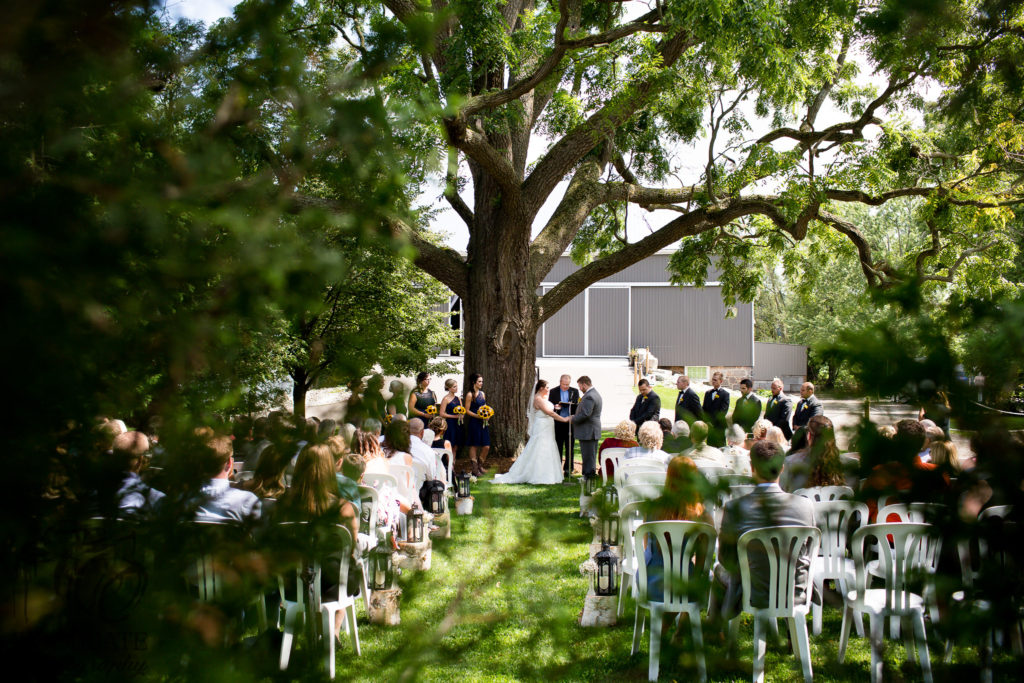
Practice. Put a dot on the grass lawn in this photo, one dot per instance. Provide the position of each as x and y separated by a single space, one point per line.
503 596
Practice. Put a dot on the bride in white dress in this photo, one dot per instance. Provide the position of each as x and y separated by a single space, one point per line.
539 463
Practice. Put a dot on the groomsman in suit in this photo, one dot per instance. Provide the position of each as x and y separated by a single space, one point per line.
809 406
565 398
779 409
687 402
587 424
715 407
647 406
748 406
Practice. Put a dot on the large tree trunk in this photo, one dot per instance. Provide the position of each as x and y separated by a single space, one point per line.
300 385
500 318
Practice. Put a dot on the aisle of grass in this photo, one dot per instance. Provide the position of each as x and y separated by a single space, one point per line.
503 596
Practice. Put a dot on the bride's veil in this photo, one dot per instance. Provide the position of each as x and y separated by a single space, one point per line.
531 414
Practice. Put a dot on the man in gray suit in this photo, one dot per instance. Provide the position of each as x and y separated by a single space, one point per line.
766 506
587 424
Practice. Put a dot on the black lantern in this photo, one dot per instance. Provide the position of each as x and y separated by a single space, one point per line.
589 484
464 485
606 580
437 500
610 528
611 497
414 525
382 572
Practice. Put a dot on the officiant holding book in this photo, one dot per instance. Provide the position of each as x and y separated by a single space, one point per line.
565 398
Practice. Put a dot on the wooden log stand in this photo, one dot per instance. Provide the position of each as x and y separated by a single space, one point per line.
384 607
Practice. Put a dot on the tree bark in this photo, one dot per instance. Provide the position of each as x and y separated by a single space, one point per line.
300 386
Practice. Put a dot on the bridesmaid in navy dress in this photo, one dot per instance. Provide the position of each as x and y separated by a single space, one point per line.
478 438
454 432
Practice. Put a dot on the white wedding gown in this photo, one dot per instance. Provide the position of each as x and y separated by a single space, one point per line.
539 463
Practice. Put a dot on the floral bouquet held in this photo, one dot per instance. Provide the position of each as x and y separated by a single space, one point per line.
485 413
460 411
387 418
431 410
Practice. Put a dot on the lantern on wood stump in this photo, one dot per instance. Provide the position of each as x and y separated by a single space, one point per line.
382 572
437 500
414 526
464 485
610 528
589 484
606 580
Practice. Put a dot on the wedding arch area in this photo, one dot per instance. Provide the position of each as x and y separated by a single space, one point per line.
196 216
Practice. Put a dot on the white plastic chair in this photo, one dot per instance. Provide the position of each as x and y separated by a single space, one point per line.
1001 511
646 477
834 519
688 551
406 480
420 473
825 493
631 516
632 493
713 472
298 610
207 569
783 546
615 456
910 551
627 468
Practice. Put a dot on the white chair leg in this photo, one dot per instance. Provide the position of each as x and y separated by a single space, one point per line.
652 669
894 628
986 658
353 627
876 624
638 629
909 641
858 622
817 608
804 648
697 631
291 616
328 623
844 632
922 647
760 643
734 635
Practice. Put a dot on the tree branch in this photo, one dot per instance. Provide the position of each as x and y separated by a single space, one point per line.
477 148
518 89
879 275
567 152
443 263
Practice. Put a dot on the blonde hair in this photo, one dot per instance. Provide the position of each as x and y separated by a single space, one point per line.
650 435
945 452
625 430
775 436
888 431
760 428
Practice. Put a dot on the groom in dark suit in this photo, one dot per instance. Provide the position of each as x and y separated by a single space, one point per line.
565 398
587 423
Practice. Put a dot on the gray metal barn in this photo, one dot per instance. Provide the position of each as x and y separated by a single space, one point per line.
686 328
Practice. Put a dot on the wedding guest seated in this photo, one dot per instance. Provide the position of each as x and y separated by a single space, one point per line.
439 426
679 441
650 438
818 464
903 471
421 452
738 456
217 501
129 453
313 498
759 432
680 500
373 426
326 429
776 436
625 437
666 427
260 440
267 481
946 456
396 447
348 433
702 453
768 505
932 434
390 506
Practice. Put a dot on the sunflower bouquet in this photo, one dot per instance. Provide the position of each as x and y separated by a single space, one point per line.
460 411
387 418
485 413
431 410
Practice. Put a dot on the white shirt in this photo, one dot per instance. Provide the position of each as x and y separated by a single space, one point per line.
423 453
